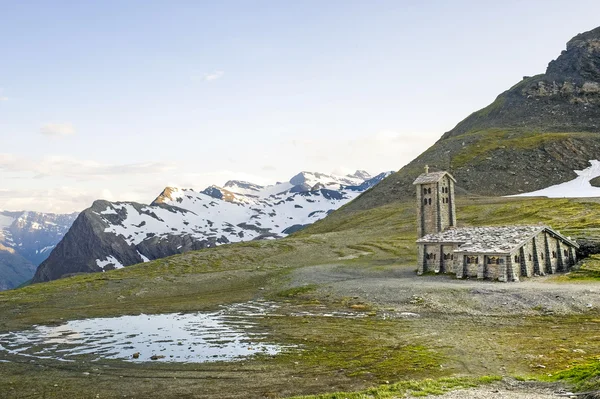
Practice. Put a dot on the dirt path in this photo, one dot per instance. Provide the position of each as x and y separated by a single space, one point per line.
400 288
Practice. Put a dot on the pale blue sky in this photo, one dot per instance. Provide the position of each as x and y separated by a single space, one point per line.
117 99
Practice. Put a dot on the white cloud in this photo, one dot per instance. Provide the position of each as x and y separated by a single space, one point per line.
54 200
57 129
57 166
209 77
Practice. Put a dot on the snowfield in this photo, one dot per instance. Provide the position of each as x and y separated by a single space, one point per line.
579 187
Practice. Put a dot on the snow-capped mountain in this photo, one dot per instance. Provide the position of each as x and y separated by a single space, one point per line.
115 234
26 240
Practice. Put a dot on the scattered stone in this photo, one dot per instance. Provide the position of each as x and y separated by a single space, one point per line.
136 355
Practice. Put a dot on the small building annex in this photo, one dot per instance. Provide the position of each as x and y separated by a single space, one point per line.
502 253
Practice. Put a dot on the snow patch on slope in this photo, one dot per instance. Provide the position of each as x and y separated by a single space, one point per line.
144 258
577 188
110 260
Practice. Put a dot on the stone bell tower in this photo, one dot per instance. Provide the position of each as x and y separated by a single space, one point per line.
436 209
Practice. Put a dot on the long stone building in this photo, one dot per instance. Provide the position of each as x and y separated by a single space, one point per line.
503 253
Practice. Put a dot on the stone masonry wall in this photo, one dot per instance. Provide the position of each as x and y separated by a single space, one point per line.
428 209
420 259
436 210
552 252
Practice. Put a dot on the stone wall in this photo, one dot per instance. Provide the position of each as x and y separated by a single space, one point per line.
428 258
427 202
446 203
494 268
551 253
449 259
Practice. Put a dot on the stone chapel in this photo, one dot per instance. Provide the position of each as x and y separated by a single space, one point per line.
503 253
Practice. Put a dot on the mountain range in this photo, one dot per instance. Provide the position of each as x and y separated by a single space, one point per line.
111 235
26 240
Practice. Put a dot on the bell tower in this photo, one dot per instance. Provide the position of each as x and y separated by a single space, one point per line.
436 209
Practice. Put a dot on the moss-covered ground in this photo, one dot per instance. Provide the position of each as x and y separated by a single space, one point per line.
393 355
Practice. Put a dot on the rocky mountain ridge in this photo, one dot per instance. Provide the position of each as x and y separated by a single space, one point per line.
112 235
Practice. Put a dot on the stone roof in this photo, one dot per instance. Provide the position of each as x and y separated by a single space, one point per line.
432 177
491 239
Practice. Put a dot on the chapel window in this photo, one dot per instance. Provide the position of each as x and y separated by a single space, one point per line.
493 260
554 254
542 255
530 257
429 201
424 201
566 253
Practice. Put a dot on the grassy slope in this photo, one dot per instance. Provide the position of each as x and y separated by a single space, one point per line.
338 354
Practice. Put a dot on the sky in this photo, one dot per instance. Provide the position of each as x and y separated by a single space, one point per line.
118 99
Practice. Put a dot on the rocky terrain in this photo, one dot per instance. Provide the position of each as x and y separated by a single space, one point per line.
532 136
111 235
26 240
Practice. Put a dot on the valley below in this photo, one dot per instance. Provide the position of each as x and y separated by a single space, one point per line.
342 302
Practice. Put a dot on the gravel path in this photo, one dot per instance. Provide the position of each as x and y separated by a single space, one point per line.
401 288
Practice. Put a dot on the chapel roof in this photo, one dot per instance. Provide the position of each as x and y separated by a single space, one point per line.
490 239
432 177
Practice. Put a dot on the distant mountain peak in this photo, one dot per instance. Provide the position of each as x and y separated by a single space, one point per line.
233 184
361 174
220 193
168 194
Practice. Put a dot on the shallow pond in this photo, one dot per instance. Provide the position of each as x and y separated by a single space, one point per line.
229 334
